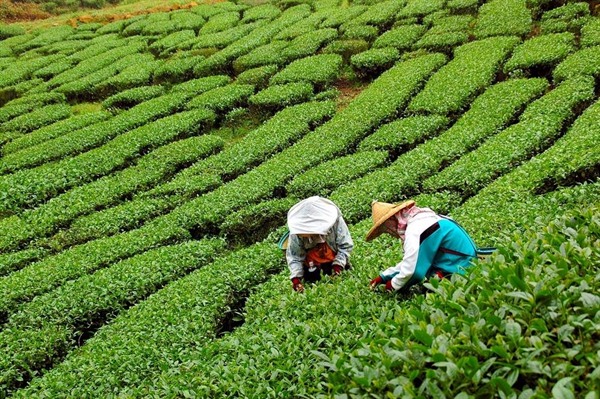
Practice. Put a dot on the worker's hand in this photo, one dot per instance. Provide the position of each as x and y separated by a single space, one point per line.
337 270
375 282
297 285
388 286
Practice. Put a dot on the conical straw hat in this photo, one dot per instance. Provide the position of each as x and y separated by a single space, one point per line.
382 211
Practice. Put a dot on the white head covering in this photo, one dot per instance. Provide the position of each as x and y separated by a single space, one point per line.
313 215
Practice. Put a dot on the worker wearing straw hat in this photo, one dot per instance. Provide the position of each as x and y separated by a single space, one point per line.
319 241
434 245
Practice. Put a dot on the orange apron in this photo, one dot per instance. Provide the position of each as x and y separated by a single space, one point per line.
319 254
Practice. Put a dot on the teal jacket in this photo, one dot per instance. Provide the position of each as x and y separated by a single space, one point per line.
433 244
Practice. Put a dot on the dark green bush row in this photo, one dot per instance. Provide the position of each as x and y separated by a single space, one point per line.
198 302
308 44
441 41
359 32
272 136
178 69
401 135
96 63
56 68
26 104
263 11
151 169
254 223
22 69
502 18
541 51
590 33
269 54
220 22
491 111
259 76
49 180
171 40
462 5
37 119
134 75
382 14
90 301
569 17
119 74
117 219
419 8
89 137
53 271
129 98
221 39
188 20
322 69
401 38
346 48
570 156
583 62
10 262
539 127
53 131
276 97
473 68
374 61
7 31
346 128
222 99
324 178
306 25
339 16
96 47
221 61
137 25
45 37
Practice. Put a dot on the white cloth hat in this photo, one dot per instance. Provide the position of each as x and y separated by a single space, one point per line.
313 215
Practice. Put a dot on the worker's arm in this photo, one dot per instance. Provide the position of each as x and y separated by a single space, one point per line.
401 273
295 255
343 241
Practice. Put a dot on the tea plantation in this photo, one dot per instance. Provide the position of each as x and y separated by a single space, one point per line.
147 165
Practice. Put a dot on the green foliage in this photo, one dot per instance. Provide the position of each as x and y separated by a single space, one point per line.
381 14
473 68
132 97
417 8
583 62
53 131
220 22
374 61
37 119
492 110
269 54
402 37
346 48
541 51
364 32
258 76
172 40
502 18
590 33
340 16
253 224
322 179
543 299
319 70
402 134
540 125
263 11
177 69
7 31
569 17
23 105
280 96
223 98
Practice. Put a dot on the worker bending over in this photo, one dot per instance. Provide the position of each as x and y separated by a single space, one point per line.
319 241
434 245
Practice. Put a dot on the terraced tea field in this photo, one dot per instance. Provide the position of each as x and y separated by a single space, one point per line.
147 166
